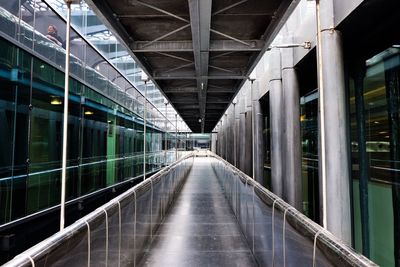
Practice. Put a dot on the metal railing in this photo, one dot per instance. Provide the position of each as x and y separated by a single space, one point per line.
278 234
117 233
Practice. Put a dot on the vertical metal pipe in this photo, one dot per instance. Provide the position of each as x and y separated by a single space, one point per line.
176 137
275 85
334 145
253 150
144 130
237 132
258 157
249 133
322 165
65 119
242 131
362 155
226 136
234 132
292 141
165 135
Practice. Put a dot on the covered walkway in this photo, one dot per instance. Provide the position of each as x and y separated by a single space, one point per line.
200 229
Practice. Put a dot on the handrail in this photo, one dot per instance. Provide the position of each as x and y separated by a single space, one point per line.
336 252
118 232
103 226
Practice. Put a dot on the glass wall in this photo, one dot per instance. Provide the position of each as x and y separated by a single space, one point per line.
380 87
267 141
105 140
309 159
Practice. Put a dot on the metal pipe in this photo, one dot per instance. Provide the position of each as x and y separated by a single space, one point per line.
248 165
176 137
292 140
335 156
65 119
253 164
226 136
165 135
322 114
275 94
144 130
234 133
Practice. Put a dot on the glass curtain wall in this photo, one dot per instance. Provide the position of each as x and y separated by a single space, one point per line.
380 91
309 144
105 138
267 140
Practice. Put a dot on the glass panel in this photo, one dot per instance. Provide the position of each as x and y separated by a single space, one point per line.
381 109
309 134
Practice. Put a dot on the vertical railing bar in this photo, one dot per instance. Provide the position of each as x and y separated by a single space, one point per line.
151 210
119 233
106 236
273 232
88 227
31 260
254 217
315 247
134 232
284 236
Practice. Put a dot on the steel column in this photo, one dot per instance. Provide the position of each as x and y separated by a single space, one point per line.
234 134
275 89
166 134
292 139
248 152
241 137
258 155
334 142
176 137
144 130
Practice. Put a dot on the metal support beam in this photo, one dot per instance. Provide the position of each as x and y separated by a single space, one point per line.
219 77
176 137
187 46
166 35
334 145
292 139
230 37
234 133
248 133
257 117
144 129
275 89
229 7
200 19
159 10
165 134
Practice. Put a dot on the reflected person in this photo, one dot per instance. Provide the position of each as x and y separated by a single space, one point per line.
52 34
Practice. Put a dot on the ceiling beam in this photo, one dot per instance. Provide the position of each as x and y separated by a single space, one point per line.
219 77
193 89
200 21
187 46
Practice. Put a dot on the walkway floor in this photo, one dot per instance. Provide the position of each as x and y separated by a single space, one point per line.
200 229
